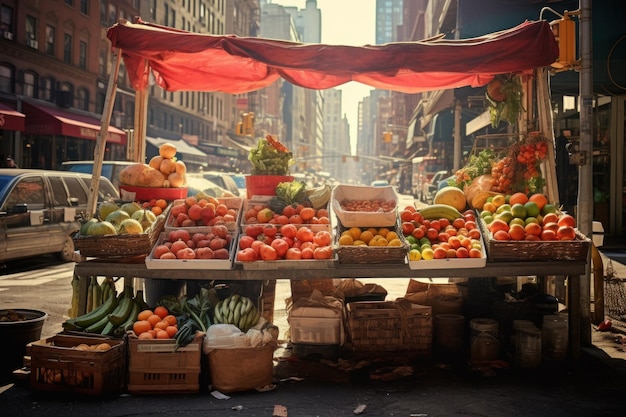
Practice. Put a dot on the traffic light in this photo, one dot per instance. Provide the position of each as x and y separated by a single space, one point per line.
239 128
343 159
564 31
387 137
248 124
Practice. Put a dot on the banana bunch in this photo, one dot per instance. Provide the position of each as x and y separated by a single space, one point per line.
439 211
236 310
113 317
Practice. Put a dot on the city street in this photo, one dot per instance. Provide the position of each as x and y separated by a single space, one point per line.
594 386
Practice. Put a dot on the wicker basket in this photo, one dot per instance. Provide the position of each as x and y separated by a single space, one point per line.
348 254
114 246
381 327
541 250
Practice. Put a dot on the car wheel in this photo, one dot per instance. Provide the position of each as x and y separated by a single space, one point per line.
67 253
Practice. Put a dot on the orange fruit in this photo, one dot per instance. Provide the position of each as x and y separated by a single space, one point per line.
171 331
501 235
518 198
307 213
153 320
144 314
161 203
533 229
539 199
161 311
170 319
162 325
146 335
498 225
141 326
162 334
517 232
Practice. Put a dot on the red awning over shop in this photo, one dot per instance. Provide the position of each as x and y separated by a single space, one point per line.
11 119
185 61
47 120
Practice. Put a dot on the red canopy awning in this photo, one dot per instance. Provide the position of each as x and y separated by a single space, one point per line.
47 120
11 119
181 60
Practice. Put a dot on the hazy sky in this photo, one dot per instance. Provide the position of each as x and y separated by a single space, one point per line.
346 22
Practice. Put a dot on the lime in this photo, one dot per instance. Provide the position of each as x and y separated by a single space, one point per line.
518 210
488 219
415 246
411 239
529 220
424 241
485 213
548 208
532 209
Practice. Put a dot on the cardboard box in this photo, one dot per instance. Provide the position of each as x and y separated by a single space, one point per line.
363 218
241 369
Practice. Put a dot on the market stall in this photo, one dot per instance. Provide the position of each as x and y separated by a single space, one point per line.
178 60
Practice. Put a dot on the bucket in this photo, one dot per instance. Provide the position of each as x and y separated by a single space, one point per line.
264 184
528 347
484 343
554 338
520 324
448 332
17 334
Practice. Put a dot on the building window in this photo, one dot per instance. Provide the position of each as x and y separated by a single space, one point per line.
69 2
30 84
67 48
6 22
102 63
50 35
82 57
7 75
46 88
84 7
100 98
82 99
31 32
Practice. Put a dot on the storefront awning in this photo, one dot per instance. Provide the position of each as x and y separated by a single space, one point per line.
48 120
11 119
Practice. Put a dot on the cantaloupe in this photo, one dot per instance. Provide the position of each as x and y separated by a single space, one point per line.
451 196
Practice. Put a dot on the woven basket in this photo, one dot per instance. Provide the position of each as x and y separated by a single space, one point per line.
115 246
541 250
380 327
348 254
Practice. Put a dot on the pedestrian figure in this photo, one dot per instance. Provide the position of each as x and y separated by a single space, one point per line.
10 163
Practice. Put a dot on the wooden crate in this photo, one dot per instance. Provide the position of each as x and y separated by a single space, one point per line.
155 366
382 327
56 366
541 250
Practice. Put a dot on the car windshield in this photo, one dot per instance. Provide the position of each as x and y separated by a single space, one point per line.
4 181
240 180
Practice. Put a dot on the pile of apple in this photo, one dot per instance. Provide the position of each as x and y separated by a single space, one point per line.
291 214
441 238
181 244
271 242
531 218
194 212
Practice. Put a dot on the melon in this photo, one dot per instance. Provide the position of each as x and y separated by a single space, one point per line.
451 196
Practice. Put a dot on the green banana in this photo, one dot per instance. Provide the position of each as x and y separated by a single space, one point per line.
121 312
97 294
98 326
93 316
127 325
217 312
438 211
233 301
90 305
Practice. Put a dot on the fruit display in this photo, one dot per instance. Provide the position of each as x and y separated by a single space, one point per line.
270 242
162 171
441 232
113 317
195 211
260 212
517 168
237 310
371 236
200 243
115 219
530 218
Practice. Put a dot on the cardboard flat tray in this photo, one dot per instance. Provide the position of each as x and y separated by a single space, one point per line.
222 264
363 218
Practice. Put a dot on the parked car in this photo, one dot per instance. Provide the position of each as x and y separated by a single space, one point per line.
379 183
111 170
39 209
240 180
222 179
431 187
